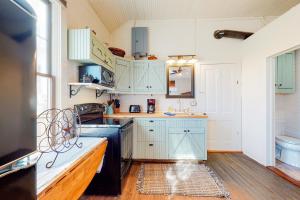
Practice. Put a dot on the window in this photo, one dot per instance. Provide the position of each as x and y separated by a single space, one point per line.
45 78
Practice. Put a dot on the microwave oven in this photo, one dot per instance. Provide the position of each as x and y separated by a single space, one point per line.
96 74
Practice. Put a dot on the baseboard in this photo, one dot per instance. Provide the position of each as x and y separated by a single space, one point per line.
284 175
224 151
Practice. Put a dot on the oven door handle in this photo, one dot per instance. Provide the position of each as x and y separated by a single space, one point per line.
127 127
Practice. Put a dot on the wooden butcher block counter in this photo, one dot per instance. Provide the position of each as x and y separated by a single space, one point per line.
155 115
72 172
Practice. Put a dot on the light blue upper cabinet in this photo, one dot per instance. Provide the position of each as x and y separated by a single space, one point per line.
157 77
285 73
149 77
140 76
123 77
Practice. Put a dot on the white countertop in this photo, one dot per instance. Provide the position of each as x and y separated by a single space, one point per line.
45 176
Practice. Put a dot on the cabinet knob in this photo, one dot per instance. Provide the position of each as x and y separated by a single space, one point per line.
280 84
150 86
151 121
129 86
151 130
147 86
150 145
188 130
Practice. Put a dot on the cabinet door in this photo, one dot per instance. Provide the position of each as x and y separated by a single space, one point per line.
140 76
184 145
157 77
123 76
97 49
285 73
109 60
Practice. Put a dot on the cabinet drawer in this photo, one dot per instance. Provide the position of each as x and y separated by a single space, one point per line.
186 130
190 123
151 123
147 133
151 150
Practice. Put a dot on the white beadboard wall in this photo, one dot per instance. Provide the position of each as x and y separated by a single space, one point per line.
287 108
185 36
78 14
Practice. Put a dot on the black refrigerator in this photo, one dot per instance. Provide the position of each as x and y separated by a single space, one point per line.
17 100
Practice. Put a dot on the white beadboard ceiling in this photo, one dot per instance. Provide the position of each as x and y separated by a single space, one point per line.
114 13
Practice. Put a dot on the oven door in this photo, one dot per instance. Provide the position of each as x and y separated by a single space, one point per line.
107 77
126 147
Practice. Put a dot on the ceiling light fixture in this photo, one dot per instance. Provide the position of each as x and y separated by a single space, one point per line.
181 59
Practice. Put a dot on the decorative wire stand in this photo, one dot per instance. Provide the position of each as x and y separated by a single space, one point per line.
59 132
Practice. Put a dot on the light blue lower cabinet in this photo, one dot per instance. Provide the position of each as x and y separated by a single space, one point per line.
163 138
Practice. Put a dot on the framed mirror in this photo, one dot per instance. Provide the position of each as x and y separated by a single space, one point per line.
180 81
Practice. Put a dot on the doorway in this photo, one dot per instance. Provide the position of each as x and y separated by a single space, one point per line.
285 128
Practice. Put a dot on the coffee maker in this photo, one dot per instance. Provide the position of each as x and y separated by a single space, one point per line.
150 105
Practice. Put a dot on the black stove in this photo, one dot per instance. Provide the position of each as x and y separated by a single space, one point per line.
118 154
91 116
105 123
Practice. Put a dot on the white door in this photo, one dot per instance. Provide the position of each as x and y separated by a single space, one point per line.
220 97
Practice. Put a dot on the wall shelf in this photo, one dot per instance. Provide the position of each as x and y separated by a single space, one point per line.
76 87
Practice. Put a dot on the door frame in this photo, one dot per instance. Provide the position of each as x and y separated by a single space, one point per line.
271 92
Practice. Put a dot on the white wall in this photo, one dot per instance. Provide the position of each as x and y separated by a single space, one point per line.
287 108
172 37
191 36
280 35
78 14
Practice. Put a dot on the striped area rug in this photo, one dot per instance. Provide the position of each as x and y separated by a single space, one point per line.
182 178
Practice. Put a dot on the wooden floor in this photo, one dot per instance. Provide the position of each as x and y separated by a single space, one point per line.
243 178
293 172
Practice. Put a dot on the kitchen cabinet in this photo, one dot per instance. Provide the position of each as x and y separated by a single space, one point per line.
123 77
167 138
150 139
285 73
84 47
187 139
140 76
149 77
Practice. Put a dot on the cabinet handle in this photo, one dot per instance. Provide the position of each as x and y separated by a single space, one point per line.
150 145
185 131
151 130
151 121
150 86
129 86
147 86
188 130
